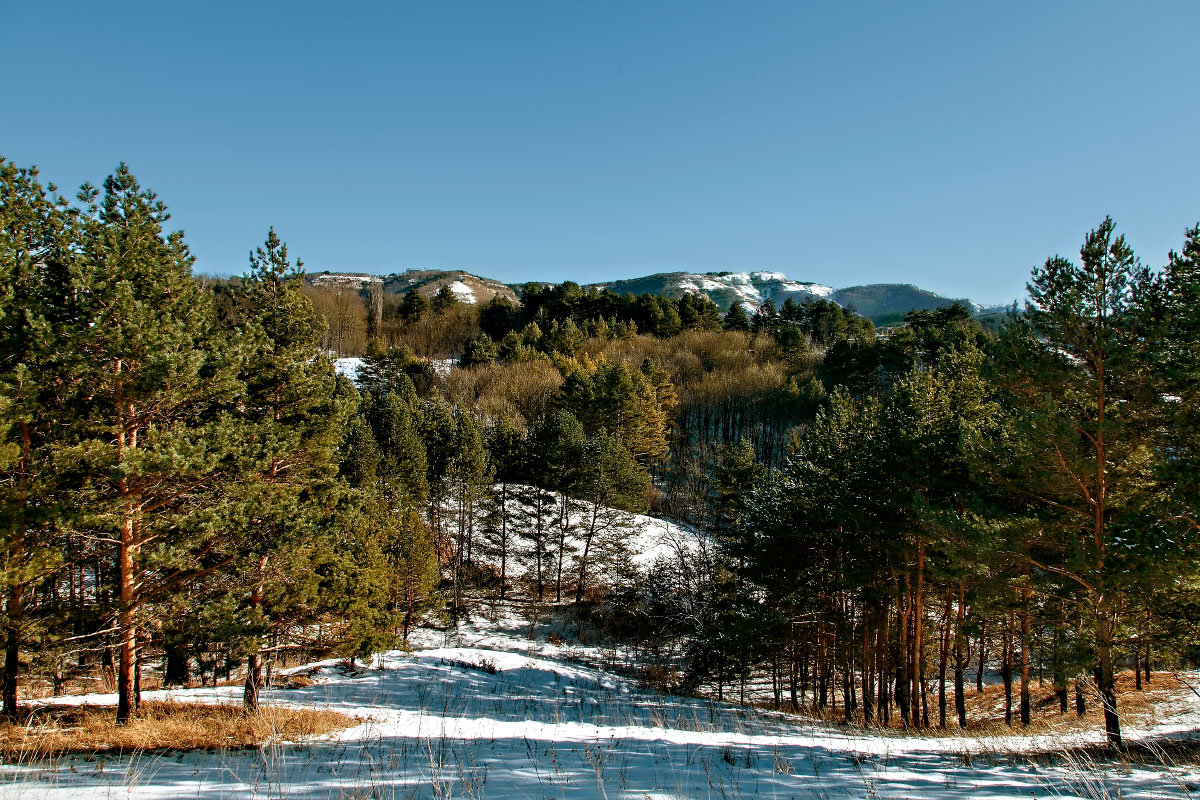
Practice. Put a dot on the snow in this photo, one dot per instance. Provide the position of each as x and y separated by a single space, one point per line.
487 711
442 366
510 704
337 277
752 289
348 367
463 292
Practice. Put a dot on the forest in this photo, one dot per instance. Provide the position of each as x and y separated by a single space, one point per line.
191 492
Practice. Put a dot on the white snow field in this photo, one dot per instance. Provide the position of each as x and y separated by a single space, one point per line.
487 712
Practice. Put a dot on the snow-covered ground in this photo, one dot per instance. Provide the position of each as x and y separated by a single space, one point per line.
513 706
487 711
348 367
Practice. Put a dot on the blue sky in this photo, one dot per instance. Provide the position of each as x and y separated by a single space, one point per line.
952 145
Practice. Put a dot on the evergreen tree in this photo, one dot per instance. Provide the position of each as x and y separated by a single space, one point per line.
289 401
36 236
611 484
506 463
470 486
443 300
396 419
413 306
1086 416
736 319
480 350
155 441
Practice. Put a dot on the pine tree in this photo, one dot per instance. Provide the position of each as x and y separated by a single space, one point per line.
1182 365
413 306
36 235
1086 414
505 454
443 300
470 485
610 485
289 401
736 319
396 420
156 441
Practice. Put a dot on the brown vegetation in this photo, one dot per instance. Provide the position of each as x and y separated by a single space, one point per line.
161 725
985 710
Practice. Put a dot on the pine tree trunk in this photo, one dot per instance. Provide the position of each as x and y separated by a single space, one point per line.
982 661
868 671
14 609
175 668
960 658
903 682
943 657
1006 671
254 675
12 651
918 635
1106 678
1025 704
587 547
503 539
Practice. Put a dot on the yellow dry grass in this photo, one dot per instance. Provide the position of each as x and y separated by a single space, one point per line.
161 725
985 710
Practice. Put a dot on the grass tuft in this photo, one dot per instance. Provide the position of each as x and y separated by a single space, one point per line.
160 726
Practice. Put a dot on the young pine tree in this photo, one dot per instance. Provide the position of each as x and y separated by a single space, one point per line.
295 423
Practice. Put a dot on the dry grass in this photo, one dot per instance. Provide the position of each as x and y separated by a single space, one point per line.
161 726
985 710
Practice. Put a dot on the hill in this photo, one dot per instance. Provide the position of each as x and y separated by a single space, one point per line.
468 288
883 303
751 289
881 300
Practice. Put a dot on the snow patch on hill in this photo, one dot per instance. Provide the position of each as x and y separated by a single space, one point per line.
464 293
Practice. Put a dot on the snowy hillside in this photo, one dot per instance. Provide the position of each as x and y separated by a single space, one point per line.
751 289
467 288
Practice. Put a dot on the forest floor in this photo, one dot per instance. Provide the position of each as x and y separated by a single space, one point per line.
488 710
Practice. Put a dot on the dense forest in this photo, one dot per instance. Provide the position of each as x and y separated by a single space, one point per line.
188 484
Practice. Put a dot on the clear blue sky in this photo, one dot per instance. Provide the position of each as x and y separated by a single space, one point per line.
953 145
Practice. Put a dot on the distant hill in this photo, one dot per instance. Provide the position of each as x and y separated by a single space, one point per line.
751 289
883 303
467 288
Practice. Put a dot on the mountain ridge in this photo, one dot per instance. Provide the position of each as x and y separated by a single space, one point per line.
884 303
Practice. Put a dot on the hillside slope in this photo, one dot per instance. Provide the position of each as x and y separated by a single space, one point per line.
884 303
751 289
468 288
